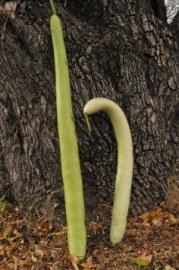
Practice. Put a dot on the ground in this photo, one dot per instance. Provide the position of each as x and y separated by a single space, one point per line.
30 241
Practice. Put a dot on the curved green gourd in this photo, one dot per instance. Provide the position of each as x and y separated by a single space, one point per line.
124 164
71 172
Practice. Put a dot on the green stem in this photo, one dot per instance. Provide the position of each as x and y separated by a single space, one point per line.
53 7
124 164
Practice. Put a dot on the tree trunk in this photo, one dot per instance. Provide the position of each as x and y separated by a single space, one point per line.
116 49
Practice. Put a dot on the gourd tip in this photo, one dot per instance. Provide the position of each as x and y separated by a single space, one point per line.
87 122
53 7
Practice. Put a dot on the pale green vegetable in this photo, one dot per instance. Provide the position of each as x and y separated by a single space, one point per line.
71 172
124 164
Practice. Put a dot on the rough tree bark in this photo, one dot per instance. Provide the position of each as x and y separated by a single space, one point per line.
116 49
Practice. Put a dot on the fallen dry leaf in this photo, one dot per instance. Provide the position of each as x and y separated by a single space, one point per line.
33 258
39 252
15 259
9 250
15 237
168 267
6 266
89 264
74 260
157 222
7 231
166 233
145 217
142 260
1 250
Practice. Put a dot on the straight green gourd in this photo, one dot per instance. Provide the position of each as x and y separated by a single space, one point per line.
70 164
124 164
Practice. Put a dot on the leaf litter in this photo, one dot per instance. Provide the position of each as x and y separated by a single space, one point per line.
30 241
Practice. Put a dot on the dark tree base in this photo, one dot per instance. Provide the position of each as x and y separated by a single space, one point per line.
115 50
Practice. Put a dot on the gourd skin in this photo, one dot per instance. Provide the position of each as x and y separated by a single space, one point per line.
124 163
70 164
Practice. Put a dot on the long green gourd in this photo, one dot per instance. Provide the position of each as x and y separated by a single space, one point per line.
71 172
124 164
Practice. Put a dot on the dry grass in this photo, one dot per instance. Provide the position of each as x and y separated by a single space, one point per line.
172 195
